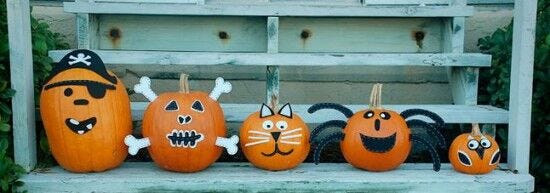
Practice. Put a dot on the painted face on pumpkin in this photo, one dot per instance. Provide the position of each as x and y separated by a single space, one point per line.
474 154
185 135
275 141
381 129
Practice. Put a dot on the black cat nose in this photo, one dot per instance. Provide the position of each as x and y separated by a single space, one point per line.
80 102
184 119
276 135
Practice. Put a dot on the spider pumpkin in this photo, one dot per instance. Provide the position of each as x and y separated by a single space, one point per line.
377 139
474 153
184 131
275 141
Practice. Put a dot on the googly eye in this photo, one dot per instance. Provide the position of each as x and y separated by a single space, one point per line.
385 115
368 114
267 125
282 125
485 143
473 144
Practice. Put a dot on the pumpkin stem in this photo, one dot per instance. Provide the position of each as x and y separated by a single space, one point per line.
475 129
184 83
376 96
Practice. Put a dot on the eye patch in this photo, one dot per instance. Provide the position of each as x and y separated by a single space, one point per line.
96 89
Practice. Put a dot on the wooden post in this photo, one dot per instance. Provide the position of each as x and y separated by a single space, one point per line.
521 85
272 75
21 70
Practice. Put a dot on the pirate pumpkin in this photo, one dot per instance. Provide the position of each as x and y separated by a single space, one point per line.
86 113
377 139
275 141
474 153
185 131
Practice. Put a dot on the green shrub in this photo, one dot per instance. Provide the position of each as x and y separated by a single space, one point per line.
43 40
495 83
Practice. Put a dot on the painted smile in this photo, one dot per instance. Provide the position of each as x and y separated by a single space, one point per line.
378 144
81 127
277 151
184 138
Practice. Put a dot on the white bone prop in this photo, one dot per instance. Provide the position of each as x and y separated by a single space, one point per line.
80 58
144 88
229 143
134 145
221 87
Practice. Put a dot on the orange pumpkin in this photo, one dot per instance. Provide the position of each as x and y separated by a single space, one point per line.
474 153
377 139
184 129
275 141
86 113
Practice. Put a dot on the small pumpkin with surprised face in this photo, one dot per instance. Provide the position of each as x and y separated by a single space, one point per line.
474 153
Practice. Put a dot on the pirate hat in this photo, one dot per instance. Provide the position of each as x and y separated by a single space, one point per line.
85 59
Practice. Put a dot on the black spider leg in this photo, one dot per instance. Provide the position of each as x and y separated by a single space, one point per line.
431 130
436 118
334 123
344 110
324 142
431 149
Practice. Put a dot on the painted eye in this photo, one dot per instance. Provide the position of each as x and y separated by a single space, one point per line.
282 125
485 143
368 114
473 144
68 92
385 115
267 125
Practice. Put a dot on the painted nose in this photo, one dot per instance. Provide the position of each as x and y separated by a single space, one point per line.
276 135
377 124
80 102
480 151
184 119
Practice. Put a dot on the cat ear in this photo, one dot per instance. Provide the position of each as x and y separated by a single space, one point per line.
265 111
286 111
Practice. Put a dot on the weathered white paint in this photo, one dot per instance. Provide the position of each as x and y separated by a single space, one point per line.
521 85
243 177
272 72
449 113
285 59
271 10
156 1
21 70
86 33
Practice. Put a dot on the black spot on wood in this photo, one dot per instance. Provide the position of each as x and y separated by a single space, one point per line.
223 35
305 34
419 38
115 34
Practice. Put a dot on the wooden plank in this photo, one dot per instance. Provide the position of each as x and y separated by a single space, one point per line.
182 33
86 31
271 10
272 72
285 59
388 35
149 1
450 113
21 70
239 177
521 85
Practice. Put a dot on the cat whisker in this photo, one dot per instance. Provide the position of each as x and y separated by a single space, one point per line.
290 142
260 133
256 142
291 136
291 131
258 137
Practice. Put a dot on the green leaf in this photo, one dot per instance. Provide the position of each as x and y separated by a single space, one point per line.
5 127
547 39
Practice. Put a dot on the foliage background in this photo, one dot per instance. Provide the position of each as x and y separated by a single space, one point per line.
42 40
495 87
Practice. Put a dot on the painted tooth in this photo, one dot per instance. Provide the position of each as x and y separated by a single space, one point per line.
73 121
89 126
81 132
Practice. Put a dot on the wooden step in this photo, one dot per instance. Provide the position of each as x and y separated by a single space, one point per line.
285 59
449 113
267 9
242 177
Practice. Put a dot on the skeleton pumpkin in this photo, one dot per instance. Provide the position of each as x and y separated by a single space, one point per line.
86 113
474 153
184 131
275 141
377 139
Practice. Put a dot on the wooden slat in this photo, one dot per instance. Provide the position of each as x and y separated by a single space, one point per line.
86 31
272 72
450 113
285 59
239 177
21 70
271 10
521 84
